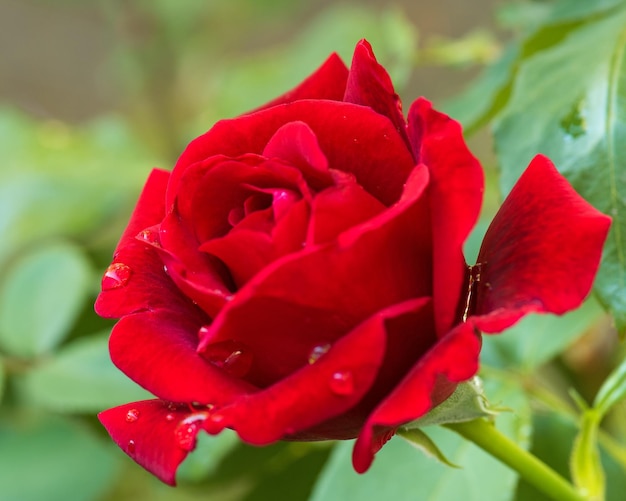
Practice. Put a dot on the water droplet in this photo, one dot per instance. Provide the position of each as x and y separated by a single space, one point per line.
318 351
187 430
132 416
203 331
131 447
169 417
342 383
150 236
116 276
231 356
216 417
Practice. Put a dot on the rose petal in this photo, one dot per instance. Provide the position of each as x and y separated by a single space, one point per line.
433 379
313 393
207 201
296 143
369 84
294 299
144 283
338 209
289 234
210 190
327 82
150 433
201 278
409 328
157 350
360 141
244 252
541 252
455 190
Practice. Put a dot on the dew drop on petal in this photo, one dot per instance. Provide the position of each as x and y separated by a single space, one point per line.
150 236
203 331
231 356
318 351
187 431
132 416
169 417
342 383
131 447
216 417
116 276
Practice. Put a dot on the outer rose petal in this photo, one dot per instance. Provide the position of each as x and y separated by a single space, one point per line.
369 84
410 334
456 189
312 394
148 286
541 252
432 380
328 82
147 432
157 349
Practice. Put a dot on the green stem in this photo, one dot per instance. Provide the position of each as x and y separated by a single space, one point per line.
486 436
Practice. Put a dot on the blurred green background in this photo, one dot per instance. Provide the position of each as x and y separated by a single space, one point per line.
93 94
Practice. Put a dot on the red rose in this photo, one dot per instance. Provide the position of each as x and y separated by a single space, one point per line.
299 274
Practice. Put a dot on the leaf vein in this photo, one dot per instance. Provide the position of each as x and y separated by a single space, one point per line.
614 73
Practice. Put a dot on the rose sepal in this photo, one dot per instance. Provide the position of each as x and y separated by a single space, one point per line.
468 402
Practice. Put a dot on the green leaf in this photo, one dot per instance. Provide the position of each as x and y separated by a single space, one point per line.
569 102
55 460
2 379
567 10
401 474
586 466
418 439
612 391
42 295
538 338
80 378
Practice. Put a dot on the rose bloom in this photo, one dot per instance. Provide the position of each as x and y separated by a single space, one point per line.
299 274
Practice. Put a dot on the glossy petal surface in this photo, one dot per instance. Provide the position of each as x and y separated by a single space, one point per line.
153 434
369 84
157 349
455 191
360 141
453 359
541 252
313 393
270 302
146 284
